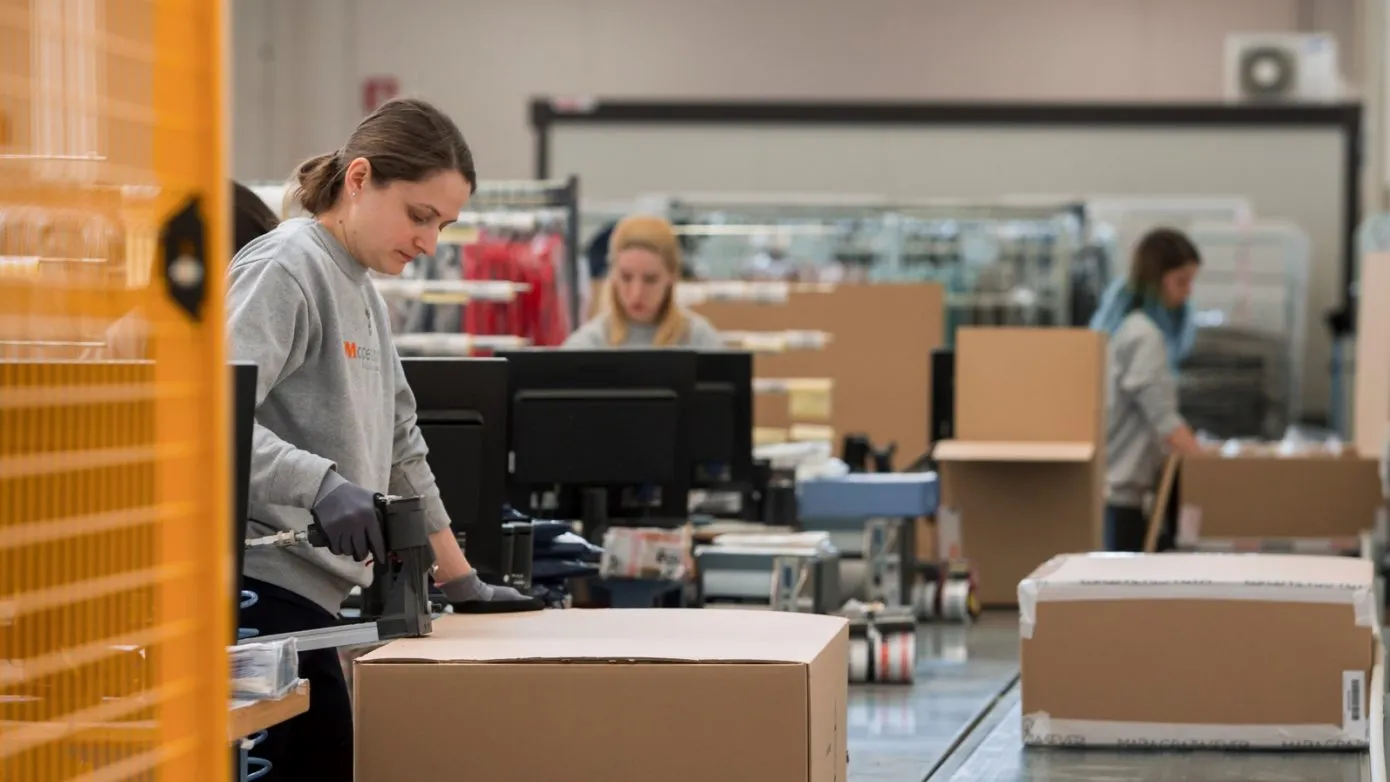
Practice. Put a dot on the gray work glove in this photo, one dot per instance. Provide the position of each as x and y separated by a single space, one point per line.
349 520
469 594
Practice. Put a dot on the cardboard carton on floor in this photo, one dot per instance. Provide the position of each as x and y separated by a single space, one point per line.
1261 493
613 695
1202 650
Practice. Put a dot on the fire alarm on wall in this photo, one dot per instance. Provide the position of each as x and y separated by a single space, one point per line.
376 90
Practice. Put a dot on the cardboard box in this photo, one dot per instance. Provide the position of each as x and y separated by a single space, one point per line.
1370 398
1030 405
1258 493
878 357
614 695
1173 650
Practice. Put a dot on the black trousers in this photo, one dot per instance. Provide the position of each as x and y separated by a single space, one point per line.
1126 528
317 744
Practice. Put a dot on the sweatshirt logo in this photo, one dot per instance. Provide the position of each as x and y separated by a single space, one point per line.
356 352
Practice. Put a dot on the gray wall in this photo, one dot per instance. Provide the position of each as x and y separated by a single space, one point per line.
299 64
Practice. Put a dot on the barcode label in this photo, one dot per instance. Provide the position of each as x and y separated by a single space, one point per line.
1354 722
949 545
1189 525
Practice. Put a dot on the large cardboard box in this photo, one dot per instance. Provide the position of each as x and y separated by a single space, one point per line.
615 695
1370 402
1233 650
879 357
1024 478
1259 493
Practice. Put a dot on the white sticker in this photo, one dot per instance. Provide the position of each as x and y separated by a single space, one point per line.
1189 525
949 546
1354 722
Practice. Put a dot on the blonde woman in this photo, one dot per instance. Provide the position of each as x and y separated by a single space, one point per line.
639 309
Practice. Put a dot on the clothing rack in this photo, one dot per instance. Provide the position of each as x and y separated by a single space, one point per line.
1010 261
504 274
517 196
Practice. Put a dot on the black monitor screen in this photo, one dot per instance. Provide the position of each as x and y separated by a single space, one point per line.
602 419
722 424
244 378
461 409
712 436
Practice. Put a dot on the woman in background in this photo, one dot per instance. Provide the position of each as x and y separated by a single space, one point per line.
1148 317
639 308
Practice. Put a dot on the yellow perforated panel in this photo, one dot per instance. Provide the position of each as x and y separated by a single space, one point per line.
114 498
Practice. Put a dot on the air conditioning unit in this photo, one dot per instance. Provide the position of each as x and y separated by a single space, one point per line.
1282 68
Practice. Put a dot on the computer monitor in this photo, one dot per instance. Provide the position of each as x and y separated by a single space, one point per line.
244 378
602 435
943 395
721 425
461 408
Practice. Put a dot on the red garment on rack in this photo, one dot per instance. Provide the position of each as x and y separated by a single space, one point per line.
539 315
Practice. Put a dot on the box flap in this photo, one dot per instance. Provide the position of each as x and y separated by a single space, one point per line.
620 635
1281 451
1291 578
1029 384
977 451
1214 569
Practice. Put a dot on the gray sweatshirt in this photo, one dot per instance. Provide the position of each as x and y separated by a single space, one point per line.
1141 410
332 404
699 335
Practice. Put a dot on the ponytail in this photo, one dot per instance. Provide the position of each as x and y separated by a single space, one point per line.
317 183
405 139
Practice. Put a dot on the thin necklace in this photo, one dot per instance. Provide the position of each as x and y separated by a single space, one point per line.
335 227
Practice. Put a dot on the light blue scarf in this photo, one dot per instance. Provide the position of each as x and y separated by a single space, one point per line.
1178 327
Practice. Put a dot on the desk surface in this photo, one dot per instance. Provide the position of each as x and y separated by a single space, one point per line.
244 718
250 717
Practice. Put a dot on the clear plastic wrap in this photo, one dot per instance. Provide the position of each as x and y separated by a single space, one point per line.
264 671
646 553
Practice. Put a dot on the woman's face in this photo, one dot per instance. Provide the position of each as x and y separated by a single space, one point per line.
642 283
1177 285
388 227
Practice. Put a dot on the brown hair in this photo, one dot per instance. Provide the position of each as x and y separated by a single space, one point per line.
655 235
1160 251
251 217
406 139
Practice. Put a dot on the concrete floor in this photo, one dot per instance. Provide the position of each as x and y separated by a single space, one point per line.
960 721
901 733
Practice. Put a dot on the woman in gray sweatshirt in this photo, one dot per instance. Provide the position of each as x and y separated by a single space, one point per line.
335 419
1149 320
639 308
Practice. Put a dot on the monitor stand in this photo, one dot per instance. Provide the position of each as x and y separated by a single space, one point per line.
593 513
